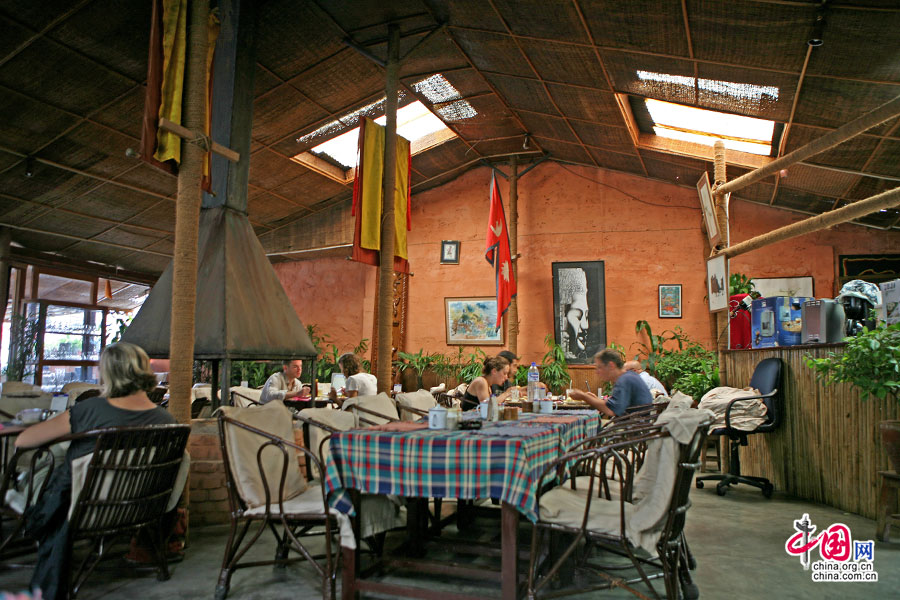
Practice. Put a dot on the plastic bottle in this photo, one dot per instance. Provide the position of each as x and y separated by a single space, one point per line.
493 408
534 377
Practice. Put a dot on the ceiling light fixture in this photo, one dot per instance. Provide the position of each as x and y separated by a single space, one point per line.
29 166
526 144
818 28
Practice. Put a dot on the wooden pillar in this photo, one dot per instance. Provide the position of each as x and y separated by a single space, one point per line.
385 295
187 218
512 318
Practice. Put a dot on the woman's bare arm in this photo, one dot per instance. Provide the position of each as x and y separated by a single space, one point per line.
41 433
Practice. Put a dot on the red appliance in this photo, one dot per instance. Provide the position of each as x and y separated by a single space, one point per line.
739 321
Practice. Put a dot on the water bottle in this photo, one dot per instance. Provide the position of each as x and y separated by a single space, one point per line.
534 377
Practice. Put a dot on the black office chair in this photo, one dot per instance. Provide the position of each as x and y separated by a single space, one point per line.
767 379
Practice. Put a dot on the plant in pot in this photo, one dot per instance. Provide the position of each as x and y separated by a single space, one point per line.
554 369
418 362
871 363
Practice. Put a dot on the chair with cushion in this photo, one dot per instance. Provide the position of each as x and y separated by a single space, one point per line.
767 379
372 410
415 405
245 396
266 486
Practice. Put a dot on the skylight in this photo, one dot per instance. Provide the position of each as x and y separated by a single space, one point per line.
689 124
740 91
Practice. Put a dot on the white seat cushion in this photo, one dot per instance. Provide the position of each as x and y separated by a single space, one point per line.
381 404
336 419
241 393
420 400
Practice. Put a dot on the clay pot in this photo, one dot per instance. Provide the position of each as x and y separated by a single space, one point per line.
890 435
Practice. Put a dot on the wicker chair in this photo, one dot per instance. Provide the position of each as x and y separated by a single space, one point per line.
414 405
265 485
133 477
611 521
372 410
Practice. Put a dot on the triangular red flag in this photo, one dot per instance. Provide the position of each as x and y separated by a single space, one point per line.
497 253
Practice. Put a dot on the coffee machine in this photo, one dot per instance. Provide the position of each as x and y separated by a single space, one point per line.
859 298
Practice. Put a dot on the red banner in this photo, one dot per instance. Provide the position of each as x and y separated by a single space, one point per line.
497 253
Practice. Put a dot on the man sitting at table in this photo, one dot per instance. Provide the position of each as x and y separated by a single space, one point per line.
285 385
652 382
628 389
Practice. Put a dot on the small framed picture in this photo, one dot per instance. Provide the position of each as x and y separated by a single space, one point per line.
670 301
709 210
717 283
450 252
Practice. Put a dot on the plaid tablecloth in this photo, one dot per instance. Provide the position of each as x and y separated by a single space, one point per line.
487 463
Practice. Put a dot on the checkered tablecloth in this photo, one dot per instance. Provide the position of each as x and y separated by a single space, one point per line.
453 464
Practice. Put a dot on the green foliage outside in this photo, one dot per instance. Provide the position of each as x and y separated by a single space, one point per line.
679 362
870 361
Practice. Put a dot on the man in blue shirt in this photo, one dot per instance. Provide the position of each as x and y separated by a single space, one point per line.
628 389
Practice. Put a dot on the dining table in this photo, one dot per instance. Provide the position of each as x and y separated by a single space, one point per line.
502 460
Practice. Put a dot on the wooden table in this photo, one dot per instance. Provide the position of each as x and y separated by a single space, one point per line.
503 460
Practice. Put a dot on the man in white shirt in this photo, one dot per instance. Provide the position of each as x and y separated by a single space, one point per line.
284 385
652 382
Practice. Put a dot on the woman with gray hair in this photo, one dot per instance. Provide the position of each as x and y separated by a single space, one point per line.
126 378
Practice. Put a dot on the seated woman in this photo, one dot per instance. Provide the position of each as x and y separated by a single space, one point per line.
495 372
126 378
358 382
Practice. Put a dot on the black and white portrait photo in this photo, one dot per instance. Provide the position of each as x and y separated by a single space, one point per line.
579 309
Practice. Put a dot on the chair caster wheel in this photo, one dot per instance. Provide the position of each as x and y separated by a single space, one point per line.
690 591
721 489
767 490
699 484
221 592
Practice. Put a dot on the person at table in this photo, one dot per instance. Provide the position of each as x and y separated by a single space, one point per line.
495 372
285 384
126 378
510 382
357 381
652 382
628 387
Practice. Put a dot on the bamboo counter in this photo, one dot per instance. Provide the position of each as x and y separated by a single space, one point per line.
828 448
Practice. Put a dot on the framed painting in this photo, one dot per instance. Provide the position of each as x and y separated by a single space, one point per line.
470 322
670 301
579 309
450 252
717 283
709 210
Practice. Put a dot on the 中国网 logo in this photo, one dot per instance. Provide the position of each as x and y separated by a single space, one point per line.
842 558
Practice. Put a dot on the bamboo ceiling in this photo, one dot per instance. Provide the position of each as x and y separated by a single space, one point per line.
71 96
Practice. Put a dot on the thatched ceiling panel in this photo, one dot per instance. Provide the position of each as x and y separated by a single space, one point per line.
13 35
886 160
45 183
126 113
761 193
97 252
603 135
819 181
161 216
296 37
28 124
750 33
675 173
340 82
832 103
468 14
70 224
504 146
852 154
884 219
113 203
539 18
654 26
281 112
565 152
266 208
150 178
587 105
467 82
368 14
616 161
527 94
868 187
696 164
445 156
565 64
45 242
763 106
120 43
331 226
491 52
437 54
310 188
8 160
129 237
264 81
623 69
16 211
805 201
270 169
856 45
36 15
77 84
492 120
549 127
144 263
91 148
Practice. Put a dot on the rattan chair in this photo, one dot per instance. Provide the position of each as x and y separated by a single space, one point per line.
133 477
372 410
415 405
614 523
265 486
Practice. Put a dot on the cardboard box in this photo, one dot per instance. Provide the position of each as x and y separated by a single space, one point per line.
777 321
890 301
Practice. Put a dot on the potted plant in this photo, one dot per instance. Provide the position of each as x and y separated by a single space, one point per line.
871 363
554 369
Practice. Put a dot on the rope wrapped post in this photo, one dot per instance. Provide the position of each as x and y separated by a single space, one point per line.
385 295
512 319
721 317
187 219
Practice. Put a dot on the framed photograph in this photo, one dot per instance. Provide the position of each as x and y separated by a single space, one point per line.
470 322
579 309
709 210
450 252
670 301
717 283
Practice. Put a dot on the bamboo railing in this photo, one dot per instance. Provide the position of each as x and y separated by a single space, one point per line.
828 448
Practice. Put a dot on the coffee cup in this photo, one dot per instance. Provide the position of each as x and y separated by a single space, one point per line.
437 418
546 406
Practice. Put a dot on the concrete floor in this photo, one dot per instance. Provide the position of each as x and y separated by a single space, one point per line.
738 541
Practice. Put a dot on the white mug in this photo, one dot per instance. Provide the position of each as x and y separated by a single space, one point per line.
437 418
483 410
546 406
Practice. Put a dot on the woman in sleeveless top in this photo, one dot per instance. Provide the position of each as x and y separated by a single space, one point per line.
495 372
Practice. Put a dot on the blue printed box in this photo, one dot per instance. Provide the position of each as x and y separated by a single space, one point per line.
776 321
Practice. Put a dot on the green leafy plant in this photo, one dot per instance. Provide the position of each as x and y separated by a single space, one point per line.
253 372
654 348
418 362
122 324
472 366
554 369
738 283
23 337
870 362
696 383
